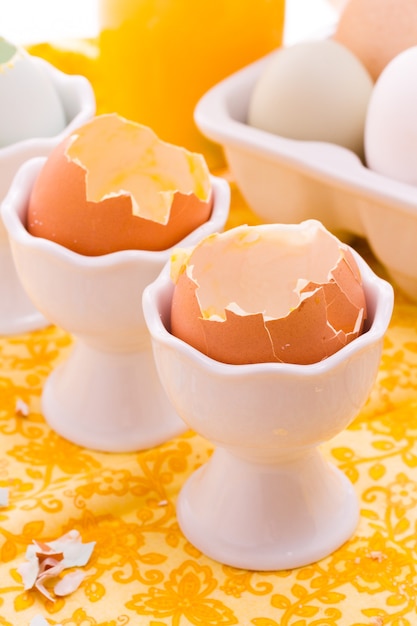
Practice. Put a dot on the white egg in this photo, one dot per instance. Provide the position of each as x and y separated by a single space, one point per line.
391 123
317 91
29 105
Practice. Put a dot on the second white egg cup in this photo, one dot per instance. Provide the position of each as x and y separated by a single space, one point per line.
106 395
17 312
268 499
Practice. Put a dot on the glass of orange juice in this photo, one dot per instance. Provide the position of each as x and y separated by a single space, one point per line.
158 57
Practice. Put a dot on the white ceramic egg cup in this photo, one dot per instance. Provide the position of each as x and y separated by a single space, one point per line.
106 395
17 312
267 499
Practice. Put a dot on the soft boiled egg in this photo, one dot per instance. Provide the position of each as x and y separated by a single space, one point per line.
30 106
114 185
268 293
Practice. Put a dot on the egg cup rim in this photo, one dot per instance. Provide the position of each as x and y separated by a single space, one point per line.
18 194
384 304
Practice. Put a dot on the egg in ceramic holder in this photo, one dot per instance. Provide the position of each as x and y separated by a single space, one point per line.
53 104
267 499
106 395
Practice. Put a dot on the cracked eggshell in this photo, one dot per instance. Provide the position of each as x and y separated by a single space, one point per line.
30 105
114 185
270 293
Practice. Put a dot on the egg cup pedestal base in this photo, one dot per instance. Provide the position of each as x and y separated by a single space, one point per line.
109 401
267 499
17 313
267 515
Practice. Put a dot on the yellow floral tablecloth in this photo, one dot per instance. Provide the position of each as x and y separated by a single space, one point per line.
142 570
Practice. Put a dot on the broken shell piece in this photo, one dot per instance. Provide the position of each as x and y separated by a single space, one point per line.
39 620
47 560
270 293
69 583
4 496
22 409
114 185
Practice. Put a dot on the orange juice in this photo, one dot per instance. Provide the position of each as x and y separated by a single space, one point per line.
158 57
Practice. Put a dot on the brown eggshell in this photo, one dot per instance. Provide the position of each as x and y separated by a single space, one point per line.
60 210
219 340
377 30
304 336
327 316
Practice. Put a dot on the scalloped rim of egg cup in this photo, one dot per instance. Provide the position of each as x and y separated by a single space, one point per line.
267 499
106 395
17 313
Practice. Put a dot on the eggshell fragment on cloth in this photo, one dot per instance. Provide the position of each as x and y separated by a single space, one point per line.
46 561
376 31
39 620
4 496
114 185
269 293
30 105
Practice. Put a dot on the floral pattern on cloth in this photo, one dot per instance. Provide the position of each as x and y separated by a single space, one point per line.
143 571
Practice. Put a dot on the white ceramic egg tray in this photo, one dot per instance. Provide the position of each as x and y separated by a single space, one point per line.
288 181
